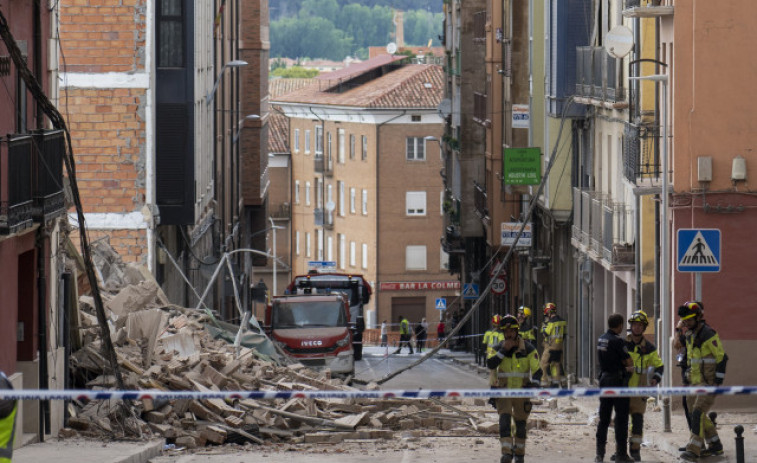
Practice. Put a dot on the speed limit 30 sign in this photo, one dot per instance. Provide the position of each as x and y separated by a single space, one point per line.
499 285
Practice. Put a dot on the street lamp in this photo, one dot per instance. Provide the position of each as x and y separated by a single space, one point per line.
665 238
249 117
231 64
273 231
441 148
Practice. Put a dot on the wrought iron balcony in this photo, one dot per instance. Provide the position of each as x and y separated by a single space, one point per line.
284 211
48 197
480 202
597 76
452 241
324 218
16 154
602 229
641 159
324 165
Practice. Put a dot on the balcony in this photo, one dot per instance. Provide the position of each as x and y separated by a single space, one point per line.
282 212
16 155
480 202
597 79
452 242
324 165
646 9
641 159
617 245
47 195
324 218
602 229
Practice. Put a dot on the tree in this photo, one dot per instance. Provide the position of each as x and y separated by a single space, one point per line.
295 72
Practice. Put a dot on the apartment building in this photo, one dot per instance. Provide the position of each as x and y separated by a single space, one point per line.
366 191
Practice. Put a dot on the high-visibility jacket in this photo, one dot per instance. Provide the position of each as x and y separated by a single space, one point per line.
705 358
647 363
554 331
7 431
404 326
517 367
527 331
491 340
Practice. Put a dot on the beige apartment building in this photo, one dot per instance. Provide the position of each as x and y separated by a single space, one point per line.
366 191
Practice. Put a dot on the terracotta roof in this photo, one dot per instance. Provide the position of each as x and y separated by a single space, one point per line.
359 68
281 86
278 133
409 86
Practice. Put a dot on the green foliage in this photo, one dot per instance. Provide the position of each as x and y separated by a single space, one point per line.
295 72
335 29
278 64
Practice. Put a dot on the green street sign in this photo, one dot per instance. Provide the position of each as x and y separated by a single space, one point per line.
521 166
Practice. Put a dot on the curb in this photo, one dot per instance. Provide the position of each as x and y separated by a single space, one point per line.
150 450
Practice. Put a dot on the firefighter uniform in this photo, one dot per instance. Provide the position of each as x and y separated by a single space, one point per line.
526 329
706 364
8 410
516 363
491 340
647 371
554 331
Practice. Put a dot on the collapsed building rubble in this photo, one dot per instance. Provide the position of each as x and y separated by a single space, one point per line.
160 346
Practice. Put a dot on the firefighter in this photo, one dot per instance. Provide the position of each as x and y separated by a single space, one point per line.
517 365
706 363
491 340
527 329
404 335
553 329
647 371
7 422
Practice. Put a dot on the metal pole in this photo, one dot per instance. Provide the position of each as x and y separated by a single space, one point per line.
739 443
698 286
273 230
665 271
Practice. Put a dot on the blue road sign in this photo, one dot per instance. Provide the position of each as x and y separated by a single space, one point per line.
441 303
470 291
698 250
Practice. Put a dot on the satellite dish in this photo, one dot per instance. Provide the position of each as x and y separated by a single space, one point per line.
330 206
619 41
391 47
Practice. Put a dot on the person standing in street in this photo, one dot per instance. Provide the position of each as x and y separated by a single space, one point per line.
383 334
491 341
420 335
8 410
706 363
614 365
440 331
404 335
554 331
647 371
517 365
527 329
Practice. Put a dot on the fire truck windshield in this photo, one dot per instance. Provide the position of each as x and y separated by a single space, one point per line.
308 314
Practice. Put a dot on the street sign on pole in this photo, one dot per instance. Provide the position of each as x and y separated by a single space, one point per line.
470 291
499 286
698 250
441 303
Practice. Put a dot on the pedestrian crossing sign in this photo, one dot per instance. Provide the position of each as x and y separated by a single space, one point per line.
470 291
698 250
441 303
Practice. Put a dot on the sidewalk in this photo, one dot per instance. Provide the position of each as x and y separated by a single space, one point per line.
88 451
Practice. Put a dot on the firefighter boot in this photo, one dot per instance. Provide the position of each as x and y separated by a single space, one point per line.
519 459
600 453
506 458
715 448
635 454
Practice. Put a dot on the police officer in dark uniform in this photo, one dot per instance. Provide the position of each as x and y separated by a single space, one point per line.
615 366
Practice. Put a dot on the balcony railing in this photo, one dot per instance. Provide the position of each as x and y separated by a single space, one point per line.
284 211
646 8
602 229
47 195
617 245
16 154
324 218
324 165
641 160
597 75
479 201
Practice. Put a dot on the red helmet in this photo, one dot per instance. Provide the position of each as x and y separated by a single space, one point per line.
496 320
549 308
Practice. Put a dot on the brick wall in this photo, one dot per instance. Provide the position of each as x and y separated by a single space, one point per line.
130 244
107 133
102 35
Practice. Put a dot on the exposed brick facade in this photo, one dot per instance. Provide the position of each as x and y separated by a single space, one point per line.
130 244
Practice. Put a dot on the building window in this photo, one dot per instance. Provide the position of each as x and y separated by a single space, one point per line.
415 258
297 192
307 193
341 147
415 203
415 149
340 186
415 118
365 256
308 248
330 248
170 34
352 146
441 202
329 194
297 242
365 202
342 252
319 140
328 145
443 260
365 147
319 244
352 200
319 193
353 257
296 140
307 142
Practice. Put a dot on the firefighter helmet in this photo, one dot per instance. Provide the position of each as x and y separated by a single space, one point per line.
496 320
526 311
690 309
639 316
508 322
549 308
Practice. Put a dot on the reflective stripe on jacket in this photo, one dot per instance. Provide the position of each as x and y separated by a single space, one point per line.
705 357
7 431
554 333
516 366
645 357
491 340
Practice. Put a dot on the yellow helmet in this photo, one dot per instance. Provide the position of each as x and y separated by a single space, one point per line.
526 311
690 309
639 316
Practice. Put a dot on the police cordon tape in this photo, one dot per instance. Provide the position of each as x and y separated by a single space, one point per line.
535 393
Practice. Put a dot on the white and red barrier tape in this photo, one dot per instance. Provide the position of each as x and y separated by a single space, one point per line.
39 394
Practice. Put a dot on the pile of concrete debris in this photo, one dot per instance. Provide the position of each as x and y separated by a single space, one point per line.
160 346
